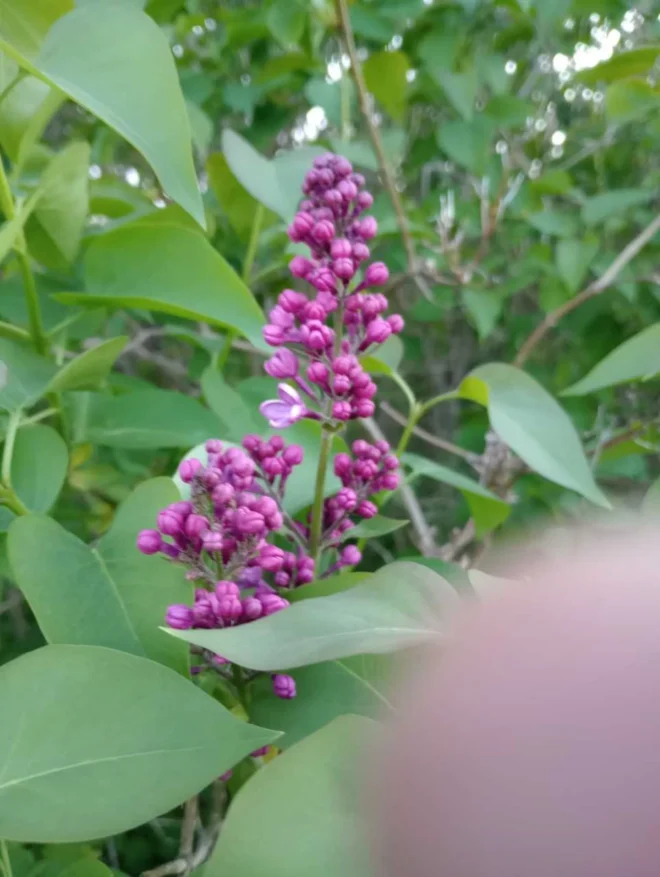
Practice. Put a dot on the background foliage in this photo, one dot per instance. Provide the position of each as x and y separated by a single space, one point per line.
153 156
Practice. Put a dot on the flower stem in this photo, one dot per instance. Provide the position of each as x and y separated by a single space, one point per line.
317 508
417 411
4 859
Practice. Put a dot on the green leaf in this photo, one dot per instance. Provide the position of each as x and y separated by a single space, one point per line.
116 62
374 527
629 99
509 111
316 785
533 425
484 308
61 214
11 230
361 152
89 368
325 587
467 143
438 50
159 264
488 509
598 208
357 686
28 375
621 66
329 96
286 22
375 617
651 502
638 358
110 595
117 724
236 202
38 466
573 258
277 182
386 359
27 106
486 585
148 419
201 128
461 90
369 25
553 223
385 76
236 416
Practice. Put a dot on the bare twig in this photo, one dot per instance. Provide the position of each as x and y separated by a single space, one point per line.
459 541
600 285
424 533
428 437
386 170
188 824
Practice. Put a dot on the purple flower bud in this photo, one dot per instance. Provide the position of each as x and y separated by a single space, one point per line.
389 481
212 541
358 179
367 509
350 556
283 364
376 274
195 526
324 231
282 579
365 200
333 197
259 752
390 461
219 661
285 410
273 335
300 267
396 323
248 523
149 541
213 446
222 494
323 279
271 558
383 446
252 609
301 226
343 268
341 410
203 614
347 189
291 301
314 310
179 616
378 331
326 177
229 608
169 522
316 336
305 576
284 686
360 448
225 588
293 455
318 373
361 251
241 464
188 469
342 166
342 465
272 603
341 384
368 227
273 466
341 249
347 499
364 408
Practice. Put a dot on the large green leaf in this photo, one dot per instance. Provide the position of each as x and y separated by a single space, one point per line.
277 182
467 143
573 258
533 425
148 419
28 375
598 208
315 785
110 595
629 99
56 226
238 418
162 264
636 359
38 466
621 66
461 90
401 605
357 685
127 739
91 367
385 75
27 106
116 62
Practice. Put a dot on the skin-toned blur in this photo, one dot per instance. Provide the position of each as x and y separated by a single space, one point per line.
529 746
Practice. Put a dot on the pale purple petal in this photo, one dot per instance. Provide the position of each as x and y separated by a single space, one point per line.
288 395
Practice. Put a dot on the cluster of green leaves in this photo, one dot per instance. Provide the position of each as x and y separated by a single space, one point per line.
152 155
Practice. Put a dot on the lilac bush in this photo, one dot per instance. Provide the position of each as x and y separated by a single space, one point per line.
226 534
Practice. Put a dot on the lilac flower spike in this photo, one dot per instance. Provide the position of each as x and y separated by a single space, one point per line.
284 411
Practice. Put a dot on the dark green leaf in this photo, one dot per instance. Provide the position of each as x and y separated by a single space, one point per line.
629 99
286 22
613 203
484 308
374 527
385 75
90 368
28 375
399 606
461 90
38 466
573 259
467 143
117 724
637 358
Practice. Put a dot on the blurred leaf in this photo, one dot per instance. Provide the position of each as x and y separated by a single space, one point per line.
236 202
357 685
286 21
334 584
533 425
314 784
160 265
116 62
39 465
26 108
638 358
28 375
328 95
598 208
621 66
149 758
484 308
89 368
369 24
372 528
386 359
201 127
467 143
629 99
375 617
110 595
236 416
573 258
461 90
385 76
12 229
509 111
361 153
438 51
553 223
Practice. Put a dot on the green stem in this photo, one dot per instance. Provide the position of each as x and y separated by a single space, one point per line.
4 859
33 306
9 499
317 508
14 332
417 411
6 196
8 450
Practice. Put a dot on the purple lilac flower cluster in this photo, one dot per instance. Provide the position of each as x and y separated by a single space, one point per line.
319 339
224 533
